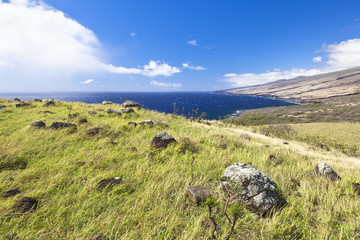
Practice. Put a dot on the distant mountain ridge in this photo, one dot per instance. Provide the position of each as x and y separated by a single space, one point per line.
306 89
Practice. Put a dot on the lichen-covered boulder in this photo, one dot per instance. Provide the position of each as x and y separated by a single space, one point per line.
324 170
38 124
129 104
57 125
254 189
162 140
106 102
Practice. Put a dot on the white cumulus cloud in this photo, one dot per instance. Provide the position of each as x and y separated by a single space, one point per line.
187 65
87 81
166 85
192 42
340 56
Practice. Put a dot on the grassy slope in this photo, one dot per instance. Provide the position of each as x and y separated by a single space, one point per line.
151 202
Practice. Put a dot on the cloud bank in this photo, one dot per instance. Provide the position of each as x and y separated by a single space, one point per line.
339 56
165 85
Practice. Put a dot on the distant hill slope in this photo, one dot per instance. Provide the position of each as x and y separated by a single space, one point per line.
307 89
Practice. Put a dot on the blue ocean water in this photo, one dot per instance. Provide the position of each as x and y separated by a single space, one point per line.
214 104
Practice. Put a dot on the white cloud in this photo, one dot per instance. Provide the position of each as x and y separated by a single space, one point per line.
340 56
87 81
192 42
132 34
166 85
154 68
317 59
187 65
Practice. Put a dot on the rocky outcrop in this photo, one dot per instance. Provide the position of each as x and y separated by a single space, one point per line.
254 189
162 140
129 104
57 125
38 124
198 195
324 170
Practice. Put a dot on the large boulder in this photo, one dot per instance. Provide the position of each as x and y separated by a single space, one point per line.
38 124
254 189
57 125
324 170
129 104
110 111
106 102
162 140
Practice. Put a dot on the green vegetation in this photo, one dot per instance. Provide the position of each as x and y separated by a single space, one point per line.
151 202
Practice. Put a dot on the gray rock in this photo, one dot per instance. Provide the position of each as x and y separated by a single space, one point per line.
110 111
57 125
26 204
198 195
38 124
162 140
109 182
254 189
22 104
48 101
106 102
17 100
148 122
129 103
127 110
322 169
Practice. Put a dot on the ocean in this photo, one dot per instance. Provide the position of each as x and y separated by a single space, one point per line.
215 105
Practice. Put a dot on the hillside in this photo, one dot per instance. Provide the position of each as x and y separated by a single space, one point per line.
307 89
65 169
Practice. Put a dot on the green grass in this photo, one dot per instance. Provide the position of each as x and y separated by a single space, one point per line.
151 202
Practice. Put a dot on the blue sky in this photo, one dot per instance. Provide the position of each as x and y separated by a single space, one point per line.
141 45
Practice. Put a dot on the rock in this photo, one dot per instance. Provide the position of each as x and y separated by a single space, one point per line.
198 195
22 104
94 131
10 193
109 182
223 146
83 120
92 112
2 106
26 204
162 140
57 125
286 143
148 122
37 100
129 103
17 100
256 190
48 101
106 102
80 164
127 110
38 124
322 169
134 124
110 111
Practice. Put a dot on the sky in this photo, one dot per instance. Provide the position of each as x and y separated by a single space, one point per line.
162 45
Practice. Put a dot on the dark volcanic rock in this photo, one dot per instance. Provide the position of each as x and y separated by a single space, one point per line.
324 170
94 131
10 193
38 124
110 111
26 204
22 104
147 122
286 143
109 182
255 189
198 195
17 100
162 140
57 125
83 120
37 100
127 110
2 106
129 103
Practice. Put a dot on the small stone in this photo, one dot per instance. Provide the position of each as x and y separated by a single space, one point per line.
162 140
198 195
94 131
57 125
83 120
22 104
106 102
110 111
127 110
109 182
38 124
10 193
286 143
26 204
129 103
322 169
